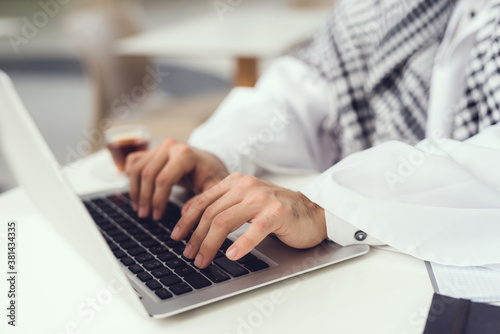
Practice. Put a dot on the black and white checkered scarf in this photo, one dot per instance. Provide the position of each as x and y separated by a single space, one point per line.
378 56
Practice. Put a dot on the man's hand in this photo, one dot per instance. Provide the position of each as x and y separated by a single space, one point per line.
153 174
237 199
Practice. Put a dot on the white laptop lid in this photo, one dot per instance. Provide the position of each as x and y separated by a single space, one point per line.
38 172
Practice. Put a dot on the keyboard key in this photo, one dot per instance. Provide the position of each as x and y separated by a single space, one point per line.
121 238
128 225
129 244
173 211
136 251
163 236
114 232
160 272
127 261
187 260
231 267
185 270
179 250
98 201
135 268
142 237
156 230
172 243
256 265
180 288
114 215
174 263
197 281
107 227
112 246
219 254
226 244
154 285
247 258
150 243
163 294
142 258
99 220
117 199
134 230
122 221
166 256
119 253
144 276
215 274
158 249
152 265
170 280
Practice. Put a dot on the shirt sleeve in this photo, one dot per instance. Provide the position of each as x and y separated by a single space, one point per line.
438 200
279 122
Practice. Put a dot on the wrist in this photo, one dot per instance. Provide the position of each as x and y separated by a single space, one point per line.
317 214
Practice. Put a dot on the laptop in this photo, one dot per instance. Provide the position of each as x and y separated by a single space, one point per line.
139 253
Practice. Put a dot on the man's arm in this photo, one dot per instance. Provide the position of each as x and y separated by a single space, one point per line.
438 201
280 122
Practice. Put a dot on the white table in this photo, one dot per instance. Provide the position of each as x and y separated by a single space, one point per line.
381 292
246 36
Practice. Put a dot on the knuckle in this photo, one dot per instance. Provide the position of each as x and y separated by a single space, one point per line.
263 226
147 173
248 181
278 209
161 181
256 198
129 161
135 169
235 176
209 213
183 150
220 222
169 142
199 202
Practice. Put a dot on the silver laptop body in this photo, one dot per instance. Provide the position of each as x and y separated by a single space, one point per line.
37 171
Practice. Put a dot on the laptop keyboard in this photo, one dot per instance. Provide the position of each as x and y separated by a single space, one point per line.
144 246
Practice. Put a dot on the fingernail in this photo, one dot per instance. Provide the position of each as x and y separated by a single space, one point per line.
134 206
188 250
142 212
156 214
175 232
232 252
199 260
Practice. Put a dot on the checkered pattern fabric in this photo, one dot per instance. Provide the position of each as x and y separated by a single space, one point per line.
378 56
480 105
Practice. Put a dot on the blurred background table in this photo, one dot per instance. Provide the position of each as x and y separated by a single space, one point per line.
246 37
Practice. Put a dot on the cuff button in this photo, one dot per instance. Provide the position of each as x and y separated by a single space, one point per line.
360 235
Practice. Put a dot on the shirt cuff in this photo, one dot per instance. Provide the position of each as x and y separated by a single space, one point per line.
345 234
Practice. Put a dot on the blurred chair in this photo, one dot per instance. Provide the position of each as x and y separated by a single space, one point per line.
94 31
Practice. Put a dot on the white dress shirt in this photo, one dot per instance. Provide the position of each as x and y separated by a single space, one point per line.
438 201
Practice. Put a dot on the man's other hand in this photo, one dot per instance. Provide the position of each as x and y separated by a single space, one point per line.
153 174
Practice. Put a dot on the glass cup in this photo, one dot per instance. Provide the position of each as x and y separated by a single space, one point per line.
123 140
